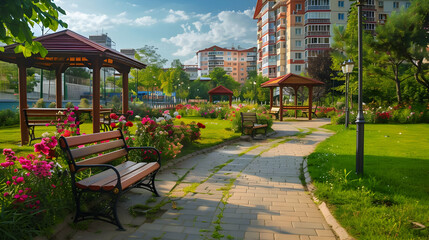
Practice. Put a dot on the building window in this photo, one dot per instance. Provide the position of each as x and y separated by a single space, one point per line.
340 16
242 69
380 4
298 31
407 5
241 59
298 43
242 74
298 19
340 3
297 68
297 55
298 7
395 4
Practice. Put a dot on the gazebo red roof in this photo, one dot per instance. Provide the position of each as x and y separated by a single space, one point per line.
71 49
291 80
220 90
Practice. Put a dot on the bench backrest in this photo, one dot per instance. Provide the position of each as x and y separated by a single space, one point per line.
41 116
249 117
97 148
274 109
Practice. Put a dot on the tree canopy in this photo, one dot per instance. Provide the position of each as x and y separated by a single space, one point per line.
18 16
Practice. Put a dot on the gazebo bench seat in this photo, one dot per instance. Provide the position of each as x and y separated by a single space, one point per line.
275 111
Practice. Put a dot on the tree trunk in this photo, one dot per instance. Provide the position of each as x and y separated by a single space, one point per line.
398 84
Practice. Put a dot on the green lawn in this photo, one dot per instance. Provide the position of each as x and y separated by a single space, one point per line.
394 191
216 131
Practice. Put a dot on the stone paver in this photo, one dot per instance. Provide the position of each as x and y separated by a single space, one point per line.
224 194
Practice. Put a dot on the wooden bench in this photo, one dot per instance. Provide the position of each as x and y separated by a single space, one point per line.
92 172
275 111
250 123
41 117
305 112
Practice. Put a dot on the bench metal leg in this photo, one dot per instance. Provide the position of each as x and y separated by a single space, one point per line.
31 134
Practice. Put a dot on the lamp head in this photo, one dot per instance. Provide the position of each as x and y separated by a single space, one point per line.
349 65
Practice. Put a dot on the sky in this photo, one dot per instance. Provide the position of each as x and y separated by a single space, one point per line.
177 28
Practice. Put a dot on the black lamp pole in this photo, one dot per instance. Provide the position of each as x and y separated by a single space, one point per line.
360 121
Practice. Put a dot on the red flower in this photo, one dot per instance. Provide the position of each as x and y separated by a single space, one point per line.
66 133
178 117
129 124
113 125
113 116
200 125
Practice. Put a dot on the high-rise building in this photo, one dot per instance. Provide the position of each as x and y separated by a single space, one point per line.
235 61
291 31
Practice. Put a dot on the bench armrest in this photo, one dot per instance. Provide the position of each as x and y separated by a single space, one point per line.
158 160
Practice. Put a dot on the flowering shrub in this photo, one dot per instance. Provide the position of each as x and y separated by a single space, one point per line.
323 112
162 134
188 110
32 187
67 126
382 117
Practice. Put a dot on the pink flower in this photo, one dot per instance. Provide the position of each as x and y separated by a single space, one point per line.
40 147
130 112
53 186
76 108
6 194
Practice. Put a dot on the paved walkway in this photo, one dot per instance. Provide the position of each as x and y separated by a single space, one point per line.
245 190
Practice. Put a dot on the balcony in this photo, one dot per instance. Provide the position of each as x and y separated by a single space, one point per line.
281 25
251 59
318 7
318 45
368 7
318 33
271 42
319 20
272 75
370 19
281 38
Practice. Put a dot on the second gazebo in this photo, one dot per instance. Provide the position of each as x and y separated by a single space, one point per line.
294 81
221 90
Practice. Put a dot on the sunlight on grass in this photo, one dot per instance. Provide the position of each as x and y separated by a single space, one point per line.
391 195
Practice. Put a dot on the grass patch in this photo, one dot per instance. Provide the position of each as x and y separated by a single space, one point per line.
392 195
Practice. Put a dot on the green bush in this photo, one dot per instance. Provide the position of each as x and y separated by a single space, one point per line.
8 117
52 105
69 105
84 103
39 104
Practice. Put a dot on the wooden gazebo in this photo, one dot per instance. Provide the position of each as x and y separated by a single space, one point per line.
69 49
294 81
221 90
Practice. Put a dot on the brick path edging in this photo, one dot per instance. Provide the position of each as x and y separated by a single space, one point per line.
330 219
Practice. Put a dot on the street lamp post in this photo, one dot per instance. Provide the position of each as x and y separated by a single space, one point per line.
360 120
254 89
347 68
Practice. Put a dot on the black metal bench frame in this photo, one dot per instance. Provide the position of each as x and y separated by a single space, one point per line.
104 153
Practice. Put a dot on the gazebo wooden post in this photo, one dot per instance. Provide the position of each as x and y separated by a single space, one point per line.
22 91
295 88
310 101
58 87
125 91
271 97
281 103
210 98
230 100
96 66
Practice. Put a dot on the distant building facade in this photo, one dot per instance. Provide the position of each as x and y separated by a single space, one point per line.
292 31
192 71
235 61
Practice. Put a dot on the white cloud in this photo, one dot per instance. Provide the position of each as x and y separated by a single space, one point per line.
198 25
191 61
91 22
175 16
74 5
145 21
225 28
204 17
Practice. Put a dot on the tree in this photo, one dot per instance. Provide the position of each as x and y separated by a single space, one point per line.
16 17
418 39
390 45
219 77
320 68
149 56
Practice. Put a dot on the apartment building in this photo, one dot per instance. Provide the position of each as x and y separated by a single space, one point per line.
235 61
291 31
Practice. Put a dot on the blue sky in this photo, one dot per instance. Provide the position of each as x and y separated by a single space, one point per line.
177 28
